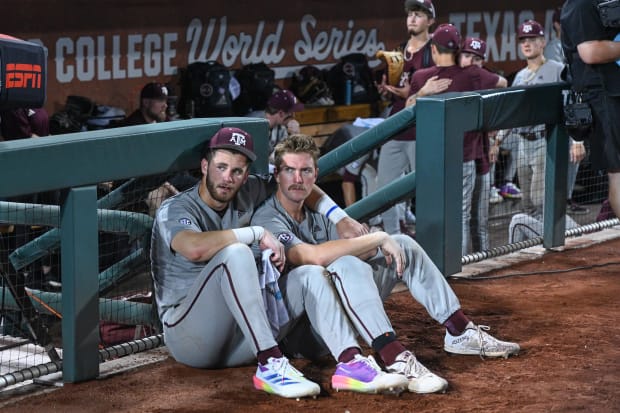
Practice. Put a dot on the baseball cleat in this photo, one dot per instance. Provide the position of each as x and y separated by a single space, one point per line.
280 378
476 341
510 190
421 379
494 196
363 375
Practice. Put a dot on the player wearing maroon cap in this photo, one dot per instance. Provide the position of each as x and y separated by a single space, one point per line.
473 52
532 145
280 113
445 46
398 154
533 139
205 276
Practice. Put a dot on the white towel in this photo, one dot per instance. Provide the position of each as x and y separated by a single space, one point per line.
367 122
272 296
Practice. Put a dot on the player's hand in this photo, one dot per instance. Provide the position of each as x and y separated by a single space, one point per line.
577 152
269 241
381 86
349 228
434 85
394 254
401 92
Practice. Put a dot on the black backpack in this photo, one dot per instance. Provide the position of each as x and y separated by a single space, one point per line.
310 86
257 83
354 68
73 117
205 90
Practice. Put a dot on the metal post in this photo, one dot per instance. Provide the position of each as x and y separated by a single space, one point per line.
79 260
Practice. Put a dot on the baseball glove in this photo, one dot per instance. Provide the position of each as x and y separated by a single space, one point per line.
395 63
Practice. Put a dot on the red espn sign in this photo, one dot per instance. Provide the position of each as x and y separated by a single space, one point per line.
23 76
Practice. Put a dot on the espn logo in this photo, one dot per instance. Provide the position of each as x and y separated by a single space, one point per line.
23 76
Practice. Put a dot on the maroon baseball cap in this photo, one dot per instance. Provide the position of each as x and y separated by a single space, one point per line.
285 100
154 90
234 139
530 28
447 36
426 5
476 46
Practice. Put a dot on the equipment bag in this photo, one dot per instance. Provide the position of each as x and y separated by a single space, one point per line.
310 86
205 90
257 83
72 118
353 68
23 73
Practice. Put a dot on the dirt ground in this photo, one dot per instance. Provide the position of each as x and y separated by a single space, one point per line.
564 315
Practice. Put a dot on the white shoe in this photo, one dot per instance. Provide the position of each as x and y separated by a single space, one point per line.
279 377
495 197
476 341
363 375
421 379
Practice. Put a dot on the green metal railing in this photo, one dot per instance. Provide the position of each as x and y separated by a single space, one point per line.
81 161
437 181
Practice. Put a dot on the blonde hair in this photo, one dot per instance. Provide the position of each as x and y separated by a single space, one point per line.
298 143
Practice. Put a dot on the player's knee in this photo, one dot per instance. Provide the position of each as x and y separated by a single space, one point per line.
238 252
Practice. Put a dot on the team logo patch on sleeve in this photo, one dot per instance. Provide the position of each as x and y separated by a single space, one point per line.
185 221
285 238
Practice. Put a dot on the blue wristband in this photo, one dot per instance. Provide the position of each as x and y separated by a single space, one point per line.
329 211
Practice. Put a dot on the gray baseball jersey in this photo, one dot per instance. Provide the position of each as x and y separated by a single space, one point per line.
363 285
550 71
531 158
174 274
212 312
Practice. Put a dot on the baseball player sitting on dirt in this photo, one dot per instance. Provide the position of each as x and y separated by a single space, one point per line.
313 250
205 275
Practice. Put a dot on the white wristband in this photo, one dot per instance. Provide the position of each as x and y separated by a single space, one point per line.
249 235
333 212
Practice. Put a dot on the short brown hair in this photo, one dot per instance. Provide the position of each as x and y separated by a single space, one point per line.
298 143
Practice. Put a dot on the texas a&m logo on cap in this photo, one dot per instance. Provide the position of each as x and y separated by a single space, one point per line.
475 44
237 139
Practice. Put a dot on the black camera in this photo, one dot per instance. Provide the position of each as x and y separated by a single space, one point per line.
23 73
577 116
609 11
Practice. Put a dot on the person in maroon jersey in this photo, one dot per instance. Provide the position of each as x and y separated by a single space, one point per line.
445 46
398 154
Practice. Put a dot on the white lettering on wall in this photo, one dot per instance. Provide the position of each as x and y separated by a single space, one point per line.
107 56
232 49
102 71
334 43
64 46
87 58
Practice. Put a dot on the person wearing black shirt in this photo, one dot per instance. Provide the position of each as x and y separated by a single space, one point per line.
592 53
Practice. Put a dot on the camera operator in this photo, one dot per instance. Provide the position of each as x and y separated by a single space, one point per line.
588 31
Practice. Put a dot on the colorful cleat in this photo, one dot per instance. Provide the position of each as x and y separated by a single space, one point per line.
510 190
363 375
280 378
